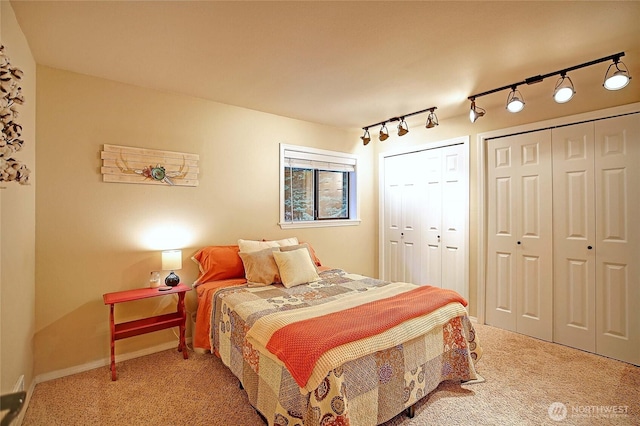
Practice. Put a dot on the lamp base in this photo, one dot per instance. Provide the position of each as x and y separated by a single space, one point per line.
172 280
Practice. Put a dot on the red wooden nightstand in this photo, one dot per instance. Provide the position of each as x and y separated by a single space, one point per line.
145 325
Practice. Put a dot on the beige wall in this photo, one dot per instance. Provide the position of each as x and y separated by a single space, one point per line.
93 236
18 226
536 110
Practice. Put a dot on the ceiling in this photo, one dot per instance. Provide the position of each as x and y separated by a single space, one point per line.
344 64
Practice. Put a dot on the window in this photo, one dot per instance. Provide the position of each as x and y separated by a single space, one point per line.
317 187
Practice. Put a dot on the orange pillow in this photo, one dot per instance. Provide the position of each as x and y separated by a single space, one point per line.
314 257
218 263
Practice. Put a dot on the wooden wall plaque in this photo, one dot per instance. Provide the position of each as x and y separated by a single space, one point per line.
148 166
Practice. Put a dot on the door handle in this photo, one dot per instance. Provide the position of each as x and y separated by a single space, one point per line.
519 243
589 247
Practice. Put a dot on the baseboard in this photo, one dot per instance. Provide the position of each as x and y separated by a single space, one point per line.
105 361
18 420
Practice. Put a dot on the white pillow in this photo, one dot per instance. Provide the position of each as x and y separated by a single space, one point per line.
248 246
296 267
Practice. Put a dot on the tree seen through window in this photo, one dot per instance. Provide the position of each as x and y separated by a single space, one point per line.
306 189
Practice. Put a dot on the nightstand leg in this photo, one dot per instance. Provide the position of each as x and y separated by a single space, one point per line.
182 347
113 343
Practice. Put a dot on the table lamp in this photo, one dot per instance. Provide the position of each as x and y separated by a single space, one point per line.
171 261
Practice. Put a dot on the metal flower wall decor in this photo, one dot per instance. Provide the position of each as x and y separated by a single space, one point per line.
157 172
11 169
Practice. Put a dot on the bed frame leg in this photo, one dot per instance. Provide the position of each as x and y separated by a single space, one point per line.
411 412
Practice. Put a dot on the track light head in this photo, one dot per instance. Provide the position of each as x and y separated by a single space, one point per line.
366 138
515 103
384 132
475 112
618 78
564 90
432 119
403 128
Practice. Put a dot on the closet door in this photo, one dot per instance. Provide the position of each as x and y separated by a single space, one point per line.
455 202
432 228
519 253
444 225
617 200
403 194
574 237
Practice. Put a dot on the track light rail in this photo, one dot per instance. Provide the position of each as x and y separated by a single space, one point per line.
399 118
538 78
564 91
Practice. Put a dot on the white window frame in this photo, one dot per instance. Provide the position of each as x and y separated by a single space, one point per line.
337 159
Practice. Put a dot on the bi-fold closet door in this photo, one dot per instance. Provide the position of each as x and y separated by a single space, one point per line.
519 221
404 187
443 231
596 209
563 247
425 201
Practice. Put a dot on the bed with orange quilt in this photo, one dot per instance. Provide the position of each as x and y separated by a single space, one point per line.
313 345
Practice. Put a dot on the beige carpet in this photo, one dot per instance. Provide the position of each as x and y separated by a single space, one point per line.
523 377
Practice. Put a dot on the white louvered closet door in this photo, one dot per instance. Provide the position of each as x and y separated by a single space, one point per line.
617 199
519 252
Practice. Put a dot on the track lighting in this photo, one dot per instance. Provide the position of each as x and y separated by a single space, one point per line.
432 119
475 112
616 77
515 103
619 78
384 133
403 127
366 138
564 90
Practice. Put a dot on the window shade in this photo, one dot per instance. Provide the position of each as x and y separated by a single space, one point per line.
306 160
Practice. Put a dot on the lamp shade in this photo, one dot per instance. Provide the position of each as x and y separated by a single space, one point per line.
617 81
475 112
384 133
619 78
515 103
366 138
564 90
432 120
403 128
171 260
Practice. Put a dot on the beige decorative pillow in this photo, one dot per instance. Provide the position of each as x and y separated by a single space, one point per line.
298 247
260 267
296 267
248 246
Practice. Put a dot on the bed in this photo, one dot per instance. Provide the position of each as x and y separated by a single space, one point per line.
313 345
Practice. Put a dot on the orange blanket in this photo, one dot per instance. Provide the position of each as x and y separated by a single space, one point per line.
300 344
205 292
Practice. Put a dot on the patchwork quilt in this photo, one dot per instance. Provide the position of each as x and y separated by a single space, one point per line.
364 382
